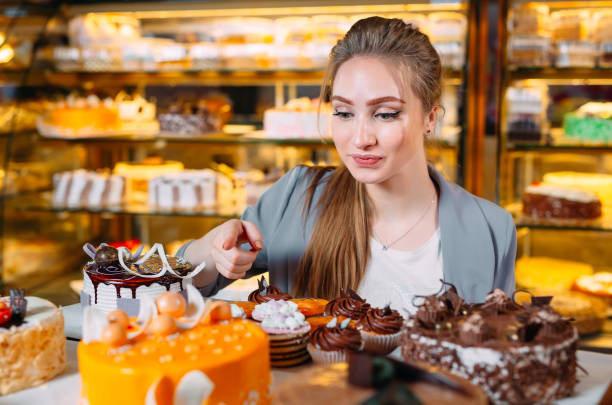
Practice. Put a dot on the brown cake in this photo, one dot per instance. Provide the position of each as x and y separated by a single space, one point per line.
517 354
551 201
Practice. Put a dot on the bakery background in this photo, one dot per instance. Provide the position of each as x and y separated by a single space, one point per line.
156 121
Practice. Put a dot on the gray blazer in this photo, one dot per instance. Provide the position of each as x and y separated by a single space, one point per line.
478 238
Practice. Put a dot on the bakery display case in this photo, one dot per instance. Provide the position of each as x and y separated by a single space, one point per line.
555 150
160 120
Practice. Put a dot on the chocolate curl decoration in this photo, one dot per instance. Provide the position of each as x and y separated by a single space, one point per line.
352 294
18 306
263 286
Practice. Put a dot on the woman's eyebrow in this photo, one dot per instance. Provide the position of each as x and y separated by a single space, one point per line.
380 100
342 100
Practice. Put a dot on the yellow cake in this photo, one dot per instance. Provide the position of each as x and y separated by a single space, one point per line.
78 119
534 272
138 175
34 351
205 353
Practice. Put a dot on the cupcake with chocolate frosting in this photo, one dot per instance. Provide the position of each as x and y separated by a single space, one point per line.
330 343
380 329
350 305
267 292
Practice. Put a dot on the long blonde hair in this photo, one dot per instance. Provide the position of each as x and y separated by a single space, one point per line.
338 251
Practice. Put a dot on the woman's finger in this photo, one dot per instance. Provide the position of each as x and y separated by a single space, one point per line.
252 235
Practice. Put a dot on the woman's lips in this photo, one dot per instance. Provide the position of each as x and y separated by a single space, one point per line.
366 160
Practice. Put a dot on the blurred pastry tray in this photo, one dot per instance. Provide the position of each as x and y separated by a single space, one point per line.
598 342
604 223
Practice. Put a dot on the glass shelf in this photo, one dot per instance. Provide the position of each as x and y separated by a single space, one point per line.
42 202
571 148
564 76
253 138
243 77
603 224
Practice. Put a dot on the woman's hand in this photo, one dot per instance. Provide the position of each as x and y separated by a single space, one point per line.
231 261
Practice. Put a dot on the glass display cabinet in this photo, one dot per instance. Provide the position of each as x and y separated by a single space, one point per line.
138 90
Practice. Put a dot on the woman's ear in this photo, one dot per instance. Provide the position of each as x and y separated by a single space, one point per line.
430 121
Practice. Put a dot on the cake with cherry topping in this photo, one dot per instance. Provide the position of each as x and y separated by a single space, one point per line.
516 353
32 342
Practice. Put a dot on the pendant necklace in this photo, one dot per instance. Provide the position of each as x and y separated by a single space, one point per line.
386 246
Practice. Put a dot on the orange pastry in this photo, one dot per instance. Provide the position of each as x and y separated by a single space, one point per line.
167 358
247 307
316 321
598 284
310 306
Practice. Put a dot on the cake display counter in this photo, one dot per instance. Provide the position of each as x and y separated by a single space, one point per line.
147 118
128 129
555 158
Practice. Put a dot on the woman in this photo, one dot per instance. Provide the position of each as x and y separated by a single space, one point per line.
384 223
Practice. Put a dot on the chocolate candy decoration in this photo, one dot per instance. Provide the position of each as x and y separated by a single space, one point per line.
18 306
106 255
541 300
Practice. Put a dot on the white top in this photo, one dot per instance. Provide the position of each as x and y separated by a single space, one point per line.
395 276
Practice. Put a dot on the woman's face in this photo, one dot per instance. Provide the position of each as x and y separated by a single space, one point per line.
377 129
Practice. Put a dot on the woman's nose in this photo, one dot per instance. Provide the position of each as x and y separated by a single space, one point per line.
364 135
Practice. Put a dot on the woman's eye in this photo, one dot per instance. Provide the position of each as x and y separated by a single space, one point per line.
387 116
342 114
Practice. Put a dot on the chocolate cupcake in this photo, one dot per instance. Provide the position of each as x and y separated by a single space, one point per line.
350 305
267 292
330 343
381 329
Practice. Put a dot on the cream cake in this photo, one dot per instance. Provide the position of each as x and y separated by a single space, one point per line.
299 118
138 175
32 342
542 200
173 353
82 188
516 353
598 183
190 189
116 279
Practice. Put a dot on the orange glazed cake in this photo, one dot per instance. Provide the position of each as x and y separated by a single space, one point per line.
173 353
